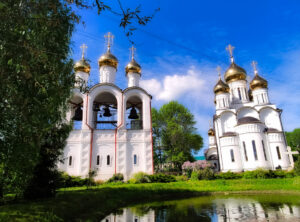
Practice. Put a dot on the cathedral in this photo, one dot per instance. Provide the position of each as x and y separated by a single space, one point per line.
247 131
112 130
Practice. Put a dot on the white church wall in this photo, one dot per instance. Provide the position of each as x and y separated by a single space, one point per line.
247 111
277 140
228 122
235 87
229 146
222 101
107 74
271 118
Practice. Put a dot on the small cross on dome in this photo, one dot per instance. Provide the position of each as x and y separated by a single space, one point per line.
83 48
109 40
230 49
132 50
254 63
219 71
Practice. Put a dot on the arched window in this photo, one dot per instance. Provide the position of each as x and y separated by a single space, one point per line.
98 160
239 92
245 151
278 152
254 150
70 160
134 159
76 106
108 160
264 150
232 155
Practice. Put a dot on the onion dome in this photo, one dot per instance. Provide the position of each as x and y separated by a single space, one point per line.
257 82
82 65
108 59
234 72
221 87
133 66
211 132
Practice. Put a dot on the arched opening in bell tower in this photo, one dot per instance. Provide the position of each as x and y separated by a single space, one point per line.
105 111
76 104
134 113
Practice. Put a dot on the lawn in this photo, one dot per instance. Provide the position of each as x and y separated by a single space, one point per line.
73 204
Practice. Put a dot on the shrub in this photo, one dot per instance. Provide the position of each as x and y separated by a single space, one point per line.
228 175
297 167
140 177
203 174
194 175
73 181
118 177
161 178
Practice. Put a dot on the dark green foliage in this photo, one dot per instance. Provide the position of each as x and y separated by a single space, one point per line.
228 175
140 178
174 134
116 178
66 180
297 167
161 178
36 70
267 174
203 174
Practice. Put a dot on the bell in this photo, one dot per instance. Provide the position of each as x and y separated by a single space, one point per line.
133 114
78 114
96 108
106 112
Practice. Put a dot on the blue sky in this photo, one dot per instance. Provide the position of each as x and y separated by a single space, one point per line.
182 46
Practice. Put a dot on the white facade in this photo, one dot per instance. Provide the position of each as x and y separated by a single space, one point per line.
109 143
247 130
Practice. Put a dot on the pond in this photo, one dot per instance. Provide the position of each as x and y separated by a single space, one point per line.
266 207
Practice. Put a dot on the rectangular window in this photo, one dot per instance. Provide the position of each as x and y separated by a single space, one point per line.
70 160
232 155
134 159
254 150
278 152
239 92
98 160
263 146
108 160
245 151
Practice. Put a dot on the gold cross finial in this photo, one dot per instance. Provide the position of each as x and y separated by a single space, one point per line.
210 124
254 63
109 40
83 48
132 49
230 49
219 71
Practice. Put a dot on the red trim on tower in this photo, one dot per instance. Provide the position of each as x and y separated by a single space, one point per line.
116 131
92 130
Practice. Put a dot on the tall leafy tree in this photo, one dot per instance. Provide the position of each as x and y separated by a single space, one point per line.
36 79
293 140
175 136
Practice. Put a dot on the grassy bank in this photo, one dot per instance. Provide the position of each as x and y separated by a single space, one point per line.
72 204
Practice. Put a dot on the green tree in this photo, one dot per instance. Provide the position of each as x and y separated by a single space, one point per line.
293 140
174 134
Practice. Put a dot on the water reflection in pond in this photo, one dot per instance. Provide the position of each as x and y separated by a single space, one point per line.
214 208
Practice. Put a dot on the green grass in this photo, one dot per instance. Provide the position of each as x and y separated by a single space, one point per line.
72 204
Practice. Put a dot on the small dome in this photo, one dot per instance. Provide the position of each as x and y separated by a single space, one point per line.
108 59
234 72
82 65
133 66
211 132
221 87
258 83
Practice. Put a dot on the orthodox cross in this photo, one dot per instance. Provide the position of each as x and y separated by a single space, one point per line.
219 71
254 67
109 40
83 48
132 50
230 49
290 153
210 124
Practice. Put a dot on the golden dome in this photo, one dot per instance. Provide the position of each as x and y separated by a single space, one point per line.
211 132
133 66
221 87
82 65
258 83
108 59
234 72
